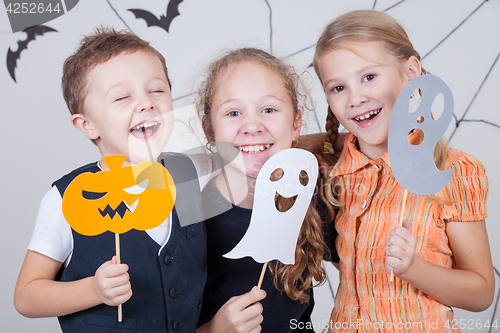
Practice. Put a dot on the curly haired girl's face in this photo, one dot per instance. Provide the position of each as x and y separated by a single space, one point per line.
253 111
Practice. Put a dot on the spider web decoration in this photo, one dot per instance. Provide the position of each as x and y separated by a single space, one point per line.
397 9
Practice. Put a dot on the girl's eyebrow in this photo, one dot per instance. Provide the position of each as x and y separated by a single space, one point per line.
273 97
228 101
358 72
262 99
364 69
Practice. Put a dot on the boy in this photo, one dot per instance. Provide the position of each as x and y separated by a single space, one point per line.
117 89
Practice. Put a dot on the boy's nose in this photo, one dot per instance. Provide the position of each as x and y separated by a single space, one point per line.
145 104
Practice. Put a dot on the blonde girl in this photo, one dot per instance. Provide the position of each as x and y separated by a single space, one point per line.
441 256
249 105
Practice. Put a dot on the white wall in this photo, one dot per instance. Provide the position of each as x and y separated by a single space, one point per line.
39 144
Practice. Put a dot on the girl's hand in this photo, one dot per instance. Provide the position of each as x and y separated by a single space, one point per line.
112 283
400 250
240 314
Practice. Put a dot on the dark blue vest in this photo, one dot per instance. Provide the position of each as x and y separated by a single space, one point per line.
167 288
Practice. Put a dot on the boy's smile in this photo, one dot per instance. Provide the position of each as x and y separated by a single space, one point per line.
128 107
145 130
362 84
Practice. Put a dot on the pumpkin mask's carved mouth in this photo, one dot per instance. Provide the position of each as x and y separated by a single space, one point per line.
121 209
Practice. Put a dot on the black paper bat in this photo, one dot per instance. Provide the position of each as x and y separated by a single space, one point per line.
12 57
164 21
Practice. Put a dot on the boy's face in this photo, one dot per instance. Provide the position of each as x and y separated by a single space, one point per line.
128 108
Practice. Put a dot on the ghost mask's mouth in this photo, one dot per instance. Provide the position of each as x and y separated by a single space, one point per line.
146 130
284 204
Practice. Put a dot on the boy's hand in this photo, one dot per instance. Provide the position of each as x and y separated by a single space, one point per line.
400 250
112 283
240 314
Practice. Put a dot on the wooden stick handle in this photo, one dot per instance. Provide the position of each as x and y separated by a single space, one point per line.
403 207
118 261
262 275
401 215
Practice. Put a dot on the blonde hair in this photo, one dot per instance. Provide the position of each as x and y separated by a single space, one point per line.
367 26
298 278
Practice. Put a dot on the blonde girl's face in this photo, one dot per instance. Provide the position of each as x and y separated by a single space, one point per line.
252 115
361 85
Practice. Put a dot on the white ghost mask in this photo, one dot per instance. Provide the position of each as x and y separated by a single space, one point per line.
273 234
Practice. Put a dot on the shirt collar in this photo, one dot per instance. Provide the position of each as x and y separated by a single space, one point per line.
353 160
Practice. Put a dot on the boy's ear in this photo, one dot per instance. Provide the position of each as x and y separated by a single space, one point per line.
412 68
83 124
297 125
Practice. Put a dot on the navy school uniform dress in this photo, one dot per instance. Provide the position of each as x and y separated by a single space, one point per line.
234 277
168 285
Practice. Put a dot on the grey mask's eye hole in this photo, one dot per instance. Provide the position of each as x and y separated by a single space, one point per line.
414 100
277 174
303 178
437 107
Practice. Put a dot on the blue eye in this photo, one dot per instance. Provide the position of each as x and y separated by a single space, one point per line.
268 110
234 113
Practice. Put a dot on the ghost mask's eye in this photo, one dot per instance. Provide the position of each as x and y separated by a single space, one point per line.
137 189
93 195
303 178
277 174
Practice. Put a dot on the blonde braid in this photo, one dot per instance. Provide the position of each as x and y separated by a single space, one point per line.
332 130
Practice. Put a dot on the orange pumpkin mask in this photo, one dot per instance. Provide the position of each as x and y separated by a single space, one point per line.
119 199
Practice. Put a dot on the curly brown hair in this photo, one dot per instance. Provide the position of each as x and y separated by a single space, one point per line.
295 279
310 250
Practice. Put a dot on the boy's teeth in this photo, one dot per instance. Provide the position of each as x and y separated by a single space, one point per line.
141 126
254 149
368 115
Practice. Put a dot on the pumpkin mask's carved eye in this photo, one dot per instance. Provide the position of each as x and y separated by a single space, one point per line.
93 195
137 189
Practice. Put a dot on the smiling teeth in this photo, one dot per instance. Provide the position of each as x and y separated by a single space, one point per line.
368 115
254 149
141 126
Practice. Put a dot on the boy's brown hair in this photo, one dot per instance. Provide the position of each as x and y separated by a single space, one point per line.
97 48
